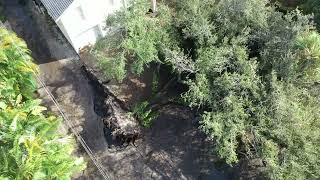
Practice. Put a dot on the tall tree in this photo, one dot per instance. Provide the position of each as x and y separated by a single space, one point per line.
252 73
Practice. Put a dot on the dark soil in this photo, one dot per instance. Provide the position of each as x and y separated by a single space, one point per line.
25 27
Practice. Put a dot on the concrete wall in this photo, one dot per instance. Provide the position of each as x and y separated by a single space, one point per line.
83 22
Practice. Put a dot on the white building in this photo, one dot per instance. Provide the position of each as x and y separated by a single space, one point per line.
81 21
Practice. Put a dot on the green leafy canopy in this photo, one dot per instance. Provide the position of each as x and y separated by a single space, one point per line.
255 75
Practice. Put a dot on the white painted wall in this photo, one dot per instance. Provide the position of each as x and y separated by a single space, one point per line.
83 22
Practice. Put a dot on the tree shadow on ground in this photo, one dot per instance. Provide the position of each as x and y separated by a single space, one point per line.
65 81
173 148
39 31
177 149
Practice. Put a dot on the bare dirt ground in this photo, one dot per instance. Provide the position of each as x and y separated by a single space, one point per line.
66 82
172 149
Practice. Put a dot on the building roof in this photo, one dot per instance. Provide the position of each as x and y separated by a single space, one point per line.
55 8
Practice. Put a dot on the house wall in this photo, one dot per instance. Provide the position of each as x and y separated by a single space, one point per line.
83 22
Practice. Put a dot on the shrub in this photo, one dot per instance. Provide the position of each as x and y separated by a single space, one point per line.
30 144
144 113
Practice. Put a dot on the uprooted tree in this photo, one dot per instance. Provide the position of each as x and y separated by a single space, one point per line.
30 144
253 74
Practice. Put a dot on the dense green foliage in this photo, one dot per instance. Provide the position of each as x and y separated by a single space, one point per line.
254 75
312 6
30 146
307 7
138 40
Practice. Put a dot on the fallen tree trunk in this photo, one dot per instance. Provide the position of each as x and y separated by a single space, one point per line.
116 117
119 120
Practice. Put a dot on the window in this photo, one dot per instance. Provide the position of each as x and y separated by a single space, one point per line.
80 12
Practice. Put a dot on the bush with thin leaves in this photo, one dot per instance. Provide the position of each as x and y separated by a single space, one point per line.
252 72
144 113
137 40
